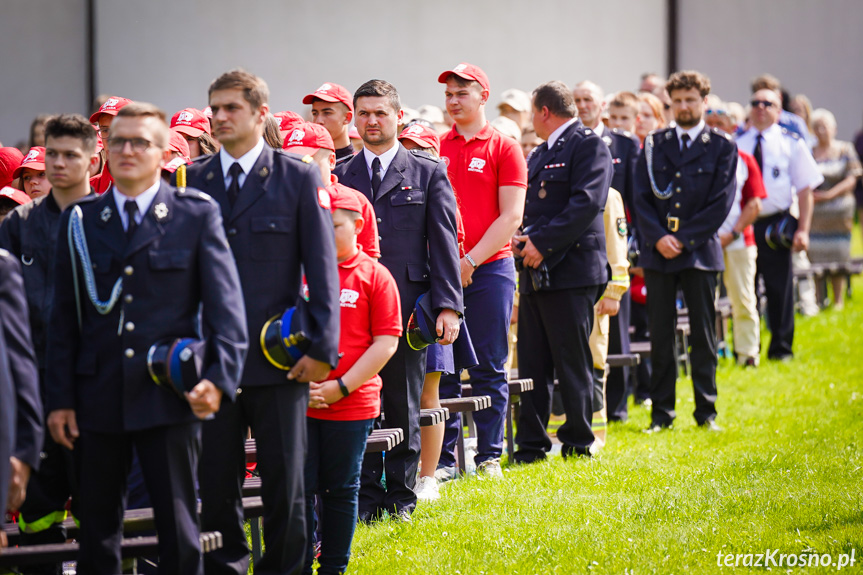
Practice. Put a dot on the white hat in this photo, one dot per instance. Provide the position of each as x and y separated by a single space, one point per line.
515 99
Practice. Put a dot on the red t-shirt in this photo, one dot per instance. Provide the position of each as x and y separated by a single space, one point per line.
368 237
102 181
477 169
370 307
752 188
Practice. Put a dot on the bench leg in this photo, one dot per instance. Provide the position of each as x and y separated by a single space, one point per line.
459 446
510 440
256 524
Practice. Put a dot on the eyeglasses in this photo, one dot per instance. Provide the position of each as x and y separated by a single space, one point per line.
716 113
139 145
103 130
760 103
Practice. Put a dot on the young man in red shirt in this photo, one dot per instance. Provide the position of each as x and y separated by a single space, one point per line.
333 108
489 175
343 407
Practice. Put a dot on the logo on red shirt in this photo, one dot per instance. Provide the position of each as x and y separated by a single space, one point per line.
476 165
349 298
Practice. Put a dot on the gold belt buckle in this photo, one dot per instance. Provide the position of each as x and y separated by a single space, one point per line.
673 223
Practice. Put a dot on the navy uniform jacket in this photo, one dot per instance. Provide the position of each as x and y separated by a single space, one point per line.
415 208
624 148
177 260
567 188
703 180
278 223
18 369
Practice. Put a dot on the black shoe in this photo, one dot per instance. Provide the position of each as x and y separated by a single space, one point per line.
783 358
368 517
710 425
528 457
567 451
657 427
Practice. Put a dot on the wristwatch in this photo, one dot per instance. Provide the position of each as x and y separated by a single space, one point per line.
471 261
343 387
735 234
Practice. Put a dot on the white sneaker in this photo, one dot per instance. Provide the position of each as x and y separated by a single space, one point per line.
490 468
427 489
443 474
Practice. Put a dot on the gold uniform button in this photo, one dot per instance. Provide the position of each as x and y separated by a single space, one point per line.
677 175
678 190
128 270
130 353
128 298
677 205
130 326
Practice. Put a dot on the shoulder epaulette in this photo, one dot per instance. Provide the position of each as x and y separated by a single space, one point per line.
790 134
194 194
425 155
722 133
4 253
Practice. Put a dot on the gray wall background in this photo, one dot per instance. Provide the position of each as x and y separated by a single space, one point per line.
167 51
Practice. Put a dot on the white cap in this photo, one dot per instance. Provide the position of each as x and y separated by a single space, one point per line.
515 99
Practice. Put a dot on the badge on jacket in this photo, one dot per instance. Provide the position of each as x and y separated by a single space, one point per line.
621 227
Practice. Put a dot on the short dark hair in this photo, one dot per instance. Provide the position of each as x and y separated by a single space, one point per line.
766 82
146 110
255 90
463 82
378 89
74 126
557 97
687 80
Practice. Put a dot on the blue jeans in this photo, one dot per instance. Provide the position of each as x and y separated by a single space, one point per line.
488 309
333 462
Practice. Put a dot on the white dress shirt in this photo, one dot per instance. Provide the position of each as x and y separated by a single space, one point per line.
144 199
693 132
386 159
247 162
552 139
788 166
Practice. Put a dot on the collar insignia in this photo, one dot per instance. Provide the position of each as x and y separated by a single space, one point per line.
106 213
607 140
161 211
265 171
210 176
705 137
668 135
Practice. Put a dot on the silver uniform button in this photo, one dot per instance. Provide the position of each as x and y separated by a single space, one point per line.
128 298
128 270
130 353
130 326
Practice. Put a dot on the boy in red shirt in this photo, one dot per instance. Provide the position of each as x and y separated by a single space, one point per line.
343 408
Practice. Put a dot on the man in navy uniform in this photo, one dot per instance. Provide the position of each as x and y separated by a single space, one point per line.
684 188
157 255
564 270
21 428
415 208
277 218
624 148
30 233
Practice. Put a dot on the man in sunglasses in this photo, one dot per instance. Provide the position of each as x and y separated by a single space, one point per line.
156 255
786 165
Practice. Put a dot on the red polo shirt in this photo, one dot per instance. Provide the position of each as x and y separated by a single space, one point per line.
752 188
102 181
477 169
370 307
368 236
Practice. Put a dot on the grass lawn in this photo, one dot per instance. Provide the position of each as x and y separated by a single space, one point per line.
786 474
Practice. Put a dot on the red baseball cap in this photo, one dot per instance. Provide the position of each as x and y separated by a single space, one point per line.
190 121
10 159
342 198
35 160
308 139
422 135
468 72
15 195
331 93
288 120
208 112
178 143
111 106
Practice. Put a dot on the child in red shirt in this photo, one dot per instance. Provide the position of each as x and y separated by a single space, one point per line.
343 408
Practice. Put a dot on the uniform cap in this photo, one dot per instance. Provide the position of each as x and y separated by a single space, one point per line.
421 325
288 120
111 106
190 121
308 139
10 159
176 364
468 72
284 338
16 196
423 136
331 93
35 160
343 198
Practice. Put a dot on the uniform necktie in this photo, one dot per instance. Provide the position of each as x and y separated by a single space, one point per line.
376 175
756 153
234 188
684 142
131 209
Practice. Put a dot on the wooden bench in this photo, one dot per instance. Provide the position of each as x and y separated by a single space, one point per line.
822 272
623 359
132 547
515 388
466 405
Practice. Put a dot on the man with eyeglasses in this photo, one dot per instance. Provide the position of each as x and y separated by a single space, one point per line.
160 258
786 166
102 118
684 188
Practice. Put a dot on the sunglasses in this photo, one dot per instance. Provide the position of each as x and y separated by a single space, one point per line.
761 103
716 113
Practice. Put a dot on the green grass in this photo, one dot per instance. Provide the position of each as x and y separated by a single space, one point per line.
787 474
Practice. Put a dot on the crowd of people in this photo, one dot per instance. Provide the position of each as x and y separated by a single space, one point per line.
173 287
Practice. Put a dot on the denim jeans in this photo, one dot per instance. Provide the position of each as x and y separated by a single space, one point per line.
333 462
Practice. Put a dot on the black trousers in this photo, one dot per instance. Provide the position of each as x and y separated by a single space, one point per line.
617 386
277 416
554 337
169 458
402 377
699 291
775 267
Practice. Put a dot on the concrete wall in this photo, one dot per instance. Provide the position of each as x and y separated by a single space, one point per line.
814 47
43 58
